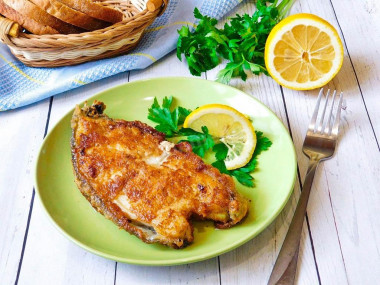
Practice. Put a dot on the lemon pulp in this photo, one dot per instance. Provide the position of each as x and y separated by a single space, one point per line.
303 52
230 127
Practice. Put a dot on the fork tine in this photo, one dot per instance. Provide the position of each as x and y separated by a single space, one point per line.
335 128
319 128
328 122
315 114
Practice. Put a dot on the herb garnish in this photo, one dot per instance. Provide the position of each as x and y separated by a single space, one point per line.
242 174
241 41
169 122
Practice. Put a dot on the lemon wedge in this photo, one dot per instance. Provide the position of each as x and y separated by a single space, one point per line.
303 52
230 127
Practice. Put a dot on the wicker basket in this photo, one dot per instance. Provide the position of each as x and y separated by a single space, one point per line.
61 50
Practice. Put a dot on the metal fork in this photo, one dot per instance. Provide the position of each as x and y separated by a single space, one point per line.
319 144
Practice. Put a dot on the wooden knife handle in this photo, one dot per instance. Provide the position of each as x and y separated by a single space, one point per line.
8 27
154 5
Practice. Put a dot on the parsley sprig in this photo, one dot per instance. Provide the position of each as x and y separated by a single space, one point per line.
242 174
241 41
200 142
170 120
167 120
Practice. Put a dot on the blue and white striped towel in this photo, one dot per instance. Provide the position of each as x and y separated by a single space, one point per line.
21 85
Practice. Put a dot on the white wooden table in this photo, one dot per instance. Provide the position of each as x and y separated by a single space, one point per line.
341 238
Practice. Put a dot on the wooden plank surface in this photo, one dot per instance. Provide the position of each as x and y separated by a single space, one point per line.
340 243
359 21
21 133
340 256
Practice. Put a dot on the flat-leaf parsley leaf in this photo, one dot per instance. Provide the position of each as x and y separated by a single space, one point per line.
241 41
169 121
200 142
242 174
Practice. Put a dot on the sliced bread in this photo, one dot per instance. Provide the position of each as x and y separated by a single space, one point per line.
27 23
31 11
69 15
95 10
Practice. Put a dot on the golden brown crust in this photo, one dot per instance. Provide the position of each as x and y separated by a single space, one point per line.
110 211
30 11
27 23
71 16
116 158
95 10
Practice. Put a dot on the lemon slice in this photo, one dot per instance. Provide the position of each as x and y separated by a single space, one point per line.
231 128
303 52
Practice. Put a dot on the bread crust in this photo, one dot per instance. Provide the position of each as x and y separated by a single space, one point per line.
69 15
30 11
28 23
95 10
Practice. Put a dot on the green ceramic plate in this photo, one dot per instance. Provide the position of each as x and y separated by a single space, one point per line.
76 219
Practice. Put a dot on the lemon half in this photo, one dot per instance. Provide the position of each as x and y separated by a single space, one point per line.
231 128
303 52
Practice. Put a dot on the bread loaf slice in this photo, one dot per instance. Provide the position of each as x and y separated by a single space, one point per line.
69 15
95 10
27 23
30 11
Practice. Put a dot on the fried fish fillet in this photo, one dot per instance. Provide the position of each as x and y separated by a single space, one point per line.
145 184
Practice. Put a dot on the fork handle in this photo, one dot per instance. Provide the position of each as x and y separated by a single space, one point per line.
284 270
